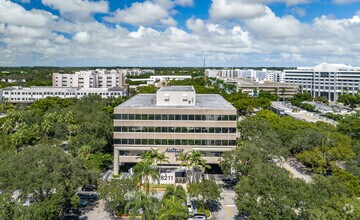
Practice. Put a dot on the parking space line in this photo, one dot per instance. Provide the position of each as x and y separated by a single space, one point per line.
228 210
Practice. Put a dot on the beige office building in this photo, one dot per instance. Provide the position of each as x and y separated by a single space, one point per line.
173 120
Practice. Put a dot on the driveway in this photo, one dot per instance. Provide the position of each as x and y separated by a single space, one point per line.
97 212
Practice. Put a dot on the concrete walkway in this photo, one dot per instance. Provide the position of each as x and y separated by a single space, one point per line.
294 172
98 212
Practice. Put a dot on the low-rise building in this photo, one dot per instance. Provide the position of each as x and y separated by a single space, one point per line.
18 94
173 120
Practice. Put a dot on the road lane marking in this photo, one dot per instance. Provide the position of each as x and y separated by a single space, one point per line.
228 210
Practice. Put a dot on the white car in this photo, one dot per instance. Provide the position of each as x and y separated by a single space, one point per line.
190 208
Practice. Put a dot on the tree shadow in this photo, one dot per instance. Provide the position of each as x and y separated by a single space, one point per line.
214 206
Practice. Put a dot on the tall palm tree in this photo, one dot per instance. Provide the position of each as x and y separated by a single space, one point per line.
142 203
175 192
154 156
143 172
193 160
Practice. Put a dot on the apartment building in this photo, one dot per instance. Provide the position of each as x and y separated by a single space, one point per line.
236 73
99 78
18 94
275 76
173 120
326 80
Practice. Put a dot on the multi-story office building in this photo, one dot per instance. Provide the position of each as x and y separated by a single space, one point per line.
173 120
136 71
90 79
327 80
17 94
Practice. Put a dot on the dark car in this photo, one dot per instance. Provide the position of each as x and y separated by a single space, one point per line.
91 187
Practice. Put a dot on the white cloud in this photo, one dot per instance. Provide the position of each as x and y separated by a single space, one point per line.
14 14
184 3
233 9
301 12
79 9
82 37
141 13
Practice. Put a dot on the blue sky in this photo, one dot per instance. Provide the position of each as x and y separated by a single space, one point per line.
179 32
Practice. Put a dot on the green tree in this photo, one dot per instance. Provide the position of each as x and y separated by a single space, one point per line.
116 194
144 172
193 160
206 192
142 203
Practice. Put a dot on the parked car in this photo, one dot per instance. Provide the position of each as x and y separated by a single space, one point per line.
198 217
83 202
91 187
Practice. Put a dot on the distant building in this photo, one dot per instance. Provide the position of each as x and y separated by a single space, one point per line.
17 94
159 80
99 78
173 120
236 73
136 71
275 76
326 80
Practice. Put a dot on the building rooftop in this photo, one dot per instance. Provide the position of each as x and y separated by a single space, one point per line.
203 101
177 89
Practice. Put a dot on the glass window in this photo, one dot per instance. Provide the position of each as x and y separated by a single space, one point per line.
217 130
125 129
232 117
157 117
145 117
212 130
183 130
138 117
218 142
164 117
157 142
125 117
151 142
157 129
137 141
164 129
151 117
225 130
198 117
204 142
177 130
178 117
232 142
171 142
191 142
171 129
177 142
197 130
184 117
190 130
184 142
217 117
225 142
131 117
171 117
197 142
164 142
191 117
203 118
225 118
204 130
209 117
232 130
144 141
131 141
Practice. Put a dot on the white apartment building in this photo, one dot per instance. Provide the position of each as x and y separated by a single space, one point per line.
17 94
257 75
136 71
327 80
99 78
275 76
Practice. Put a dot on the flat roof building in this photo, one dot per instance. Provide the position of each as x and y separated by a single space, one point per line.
173 120
326 80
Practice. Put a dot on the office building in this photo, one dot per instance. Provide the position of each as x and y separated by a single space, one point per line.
173 120
18 94
159 80
236 73
275 76
326 80
99 78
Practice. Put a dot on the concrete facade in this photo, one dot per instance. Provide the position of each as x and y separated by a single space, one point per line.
326 80
206 123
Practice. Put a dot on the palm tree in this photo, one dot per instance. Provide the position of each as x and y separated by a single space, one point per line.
143 172
173 209
155 157
175 192
142 203
193 160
